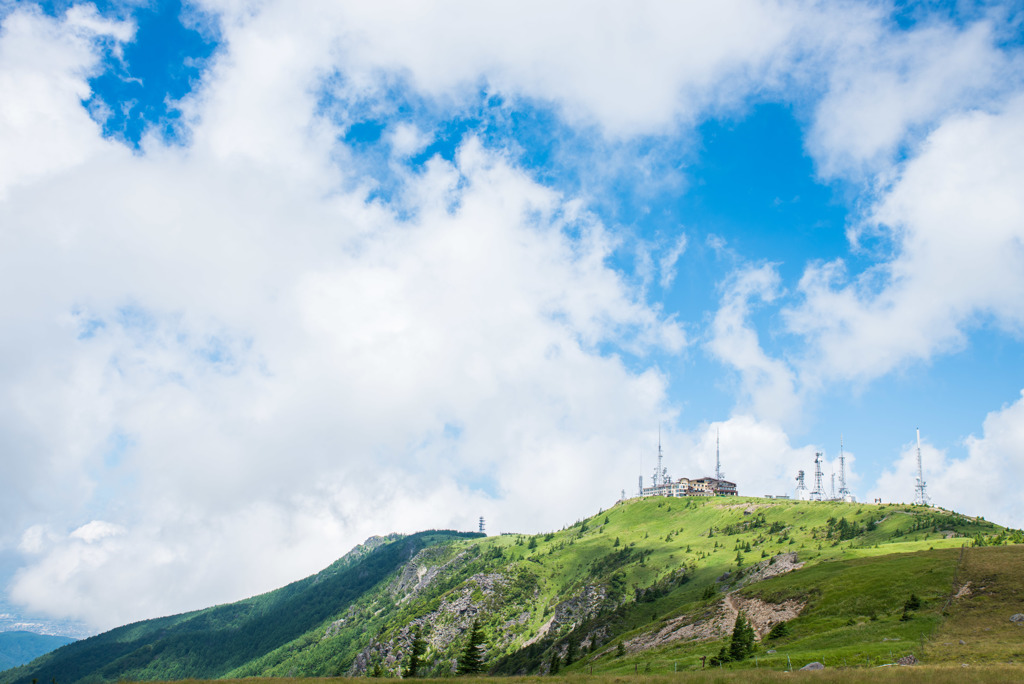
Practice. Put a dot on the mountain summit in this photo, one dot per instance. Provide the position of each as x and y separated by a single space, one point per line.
661 582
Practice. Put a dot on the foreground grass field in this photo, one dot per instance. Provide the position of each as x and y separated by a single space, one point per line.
930 674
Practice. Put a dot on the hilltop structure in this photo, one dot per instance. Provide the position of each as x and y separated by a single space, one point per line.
703 486
663 485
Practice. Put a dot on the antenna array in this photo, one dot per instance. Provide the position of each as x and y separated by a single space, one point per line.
801 486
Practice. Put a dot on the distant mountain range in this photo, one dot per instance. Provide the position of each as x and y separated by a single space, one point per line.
18 648
652 583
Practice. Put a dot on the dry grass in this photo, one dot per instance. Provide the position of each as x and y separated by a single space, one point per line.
931 674
982 620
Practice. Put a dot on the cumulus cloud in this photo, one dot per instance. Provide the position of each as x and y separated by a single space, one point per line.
44 71
768 385
956 217
888 88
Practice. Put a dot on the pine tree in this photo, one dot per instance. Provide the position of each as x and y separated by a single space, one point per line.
570 651
419 647
470 662
742 643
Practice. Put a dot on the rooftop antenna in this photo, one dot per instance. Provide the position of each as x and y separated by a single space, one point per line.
658 472
718 457
844 493
920 494
819 491
640 490
481 524
801 486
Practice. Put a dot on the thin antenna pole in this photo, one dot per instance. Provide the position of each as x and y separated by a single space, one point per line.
920 492
718 455
844 492
657 473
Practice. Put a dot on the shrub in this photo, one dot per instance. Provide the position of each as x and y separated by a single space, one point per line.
779 630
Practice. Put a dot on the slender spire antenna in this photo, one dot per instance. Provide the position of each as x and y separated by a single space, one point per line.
658 477
718 456
844 492
920 488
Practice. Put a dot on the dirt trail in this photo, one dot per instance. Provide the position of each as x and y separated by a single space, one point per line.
731 611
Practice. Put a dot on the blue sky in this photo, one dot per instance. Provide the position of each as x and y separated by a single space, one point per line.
281 279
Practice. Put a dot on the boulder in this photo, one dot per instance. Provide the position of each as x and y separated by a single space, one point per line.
1018 617
813 666
907 660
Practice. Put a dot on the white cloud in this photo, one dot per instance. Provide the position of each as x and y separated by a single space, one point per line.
888 85
44 67
96 530
668 260
767 385
956 215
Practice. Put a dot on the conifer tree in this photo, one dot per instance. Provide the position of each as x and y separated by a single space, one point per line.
742 643
570 651
470 662
419 647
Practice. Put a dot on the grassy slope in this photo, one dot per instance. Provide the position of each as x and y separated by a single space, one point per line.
668 552
671 536
978 630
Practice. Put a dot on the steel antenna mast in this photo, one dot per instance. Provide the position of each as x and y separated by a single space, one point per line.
718 456
844 493
920 488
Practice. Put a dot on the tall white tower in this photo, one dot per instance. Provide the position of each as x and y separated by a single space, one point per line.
920 491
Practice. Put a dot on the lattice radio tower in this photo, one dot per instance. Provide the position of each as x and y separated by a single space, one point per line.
481 524
819 490
801 486
920 489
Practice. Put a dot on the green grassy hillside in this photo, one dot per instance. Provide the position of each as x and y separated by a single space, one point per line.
648 586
